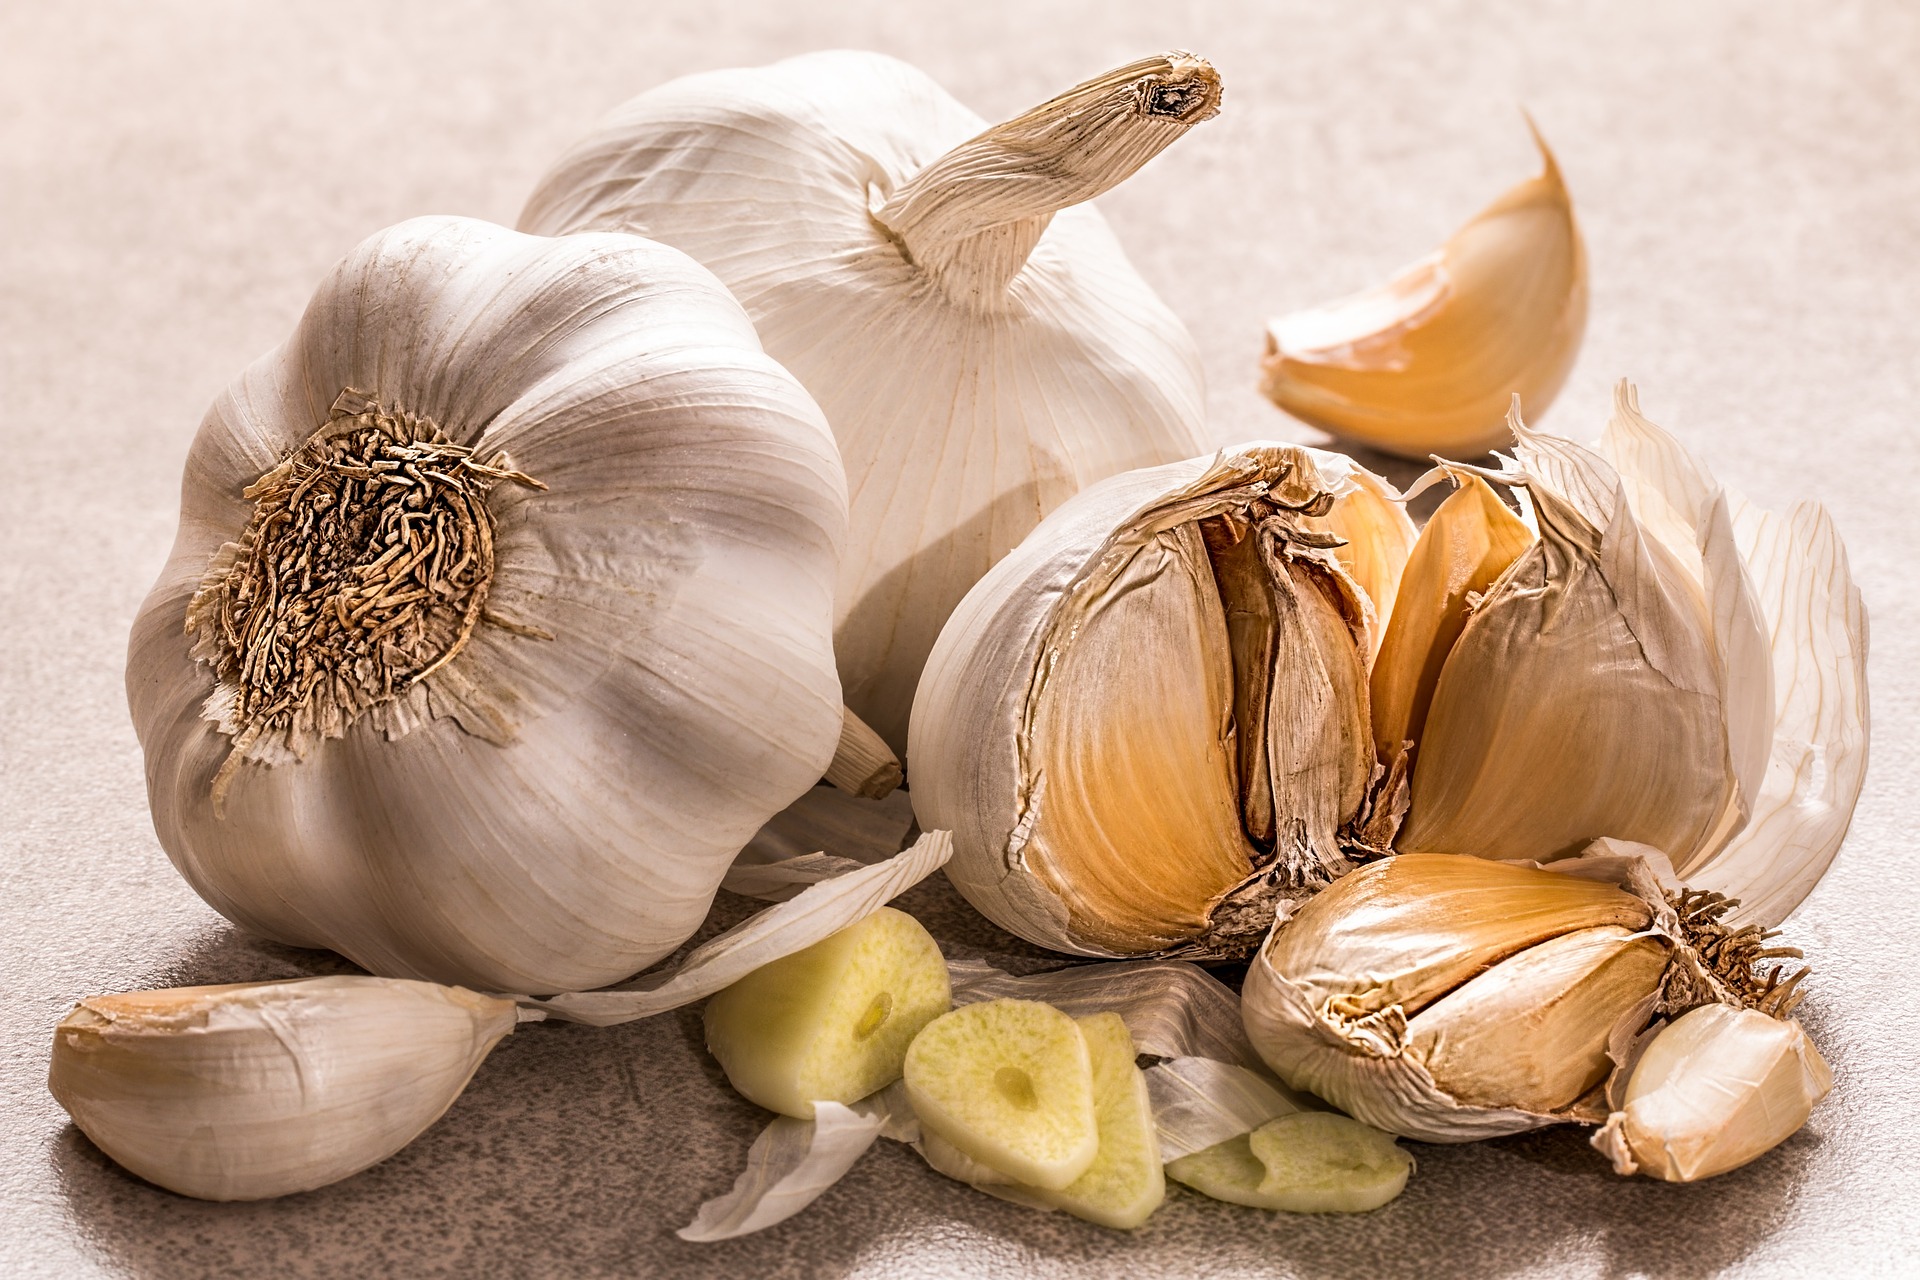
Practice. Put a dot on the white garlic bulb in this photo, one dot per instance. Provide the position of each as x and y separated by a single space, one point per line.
982 350
499 616
1425 363
262 1089
1150 719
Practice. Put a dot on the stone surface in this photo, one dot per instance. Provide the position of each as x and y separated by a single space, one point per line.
175 177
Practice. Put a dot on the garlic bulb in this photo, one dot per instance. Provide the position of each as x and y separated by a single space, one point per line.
1715 1088
1662 664
262 1089
979 342
1150 719
1426 363
1451 998
499 616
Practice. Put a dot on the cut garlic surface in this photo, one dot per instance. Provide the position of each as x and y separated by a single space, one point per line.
1427 363
1150 720
1125 1183
259 1089
1309 1162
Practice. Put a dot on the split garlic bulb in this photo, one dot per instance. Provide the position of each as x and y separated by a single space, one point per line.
1655 660
263 1089
1426 363
975 335
1151 718
1450 998
499 616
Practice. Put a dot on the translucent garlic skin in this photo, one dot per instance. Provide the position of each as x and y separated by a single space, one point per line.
966 407
547 812
1716 1088
263 1089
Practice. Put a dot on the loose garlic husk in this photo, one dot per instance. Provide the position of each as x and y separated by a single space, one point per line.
262 1089
1714 1089
974 333
1654 661
1426 364
1151 718
1450 998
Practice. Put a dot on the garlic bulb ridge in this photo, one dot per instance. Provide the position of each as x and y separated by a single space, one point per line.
976 337
1150 720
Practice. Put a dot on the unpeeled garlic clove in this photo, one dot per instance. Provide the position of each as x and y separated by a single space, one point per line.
1427 363
259 1089
1714 1089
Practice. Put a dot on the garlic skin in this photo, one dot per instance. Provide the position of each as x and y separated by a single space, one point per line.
1449 998
1665 664
1715 1089
974 333
1426 363
1076 726
651 679
260 1089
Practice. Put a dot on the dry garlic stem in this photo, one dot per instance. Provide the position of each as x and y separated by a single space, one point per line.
262 1089
1426 364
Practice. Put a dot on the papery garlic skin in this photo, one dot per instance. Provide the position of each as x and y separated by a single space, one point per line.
1426 363
554 808
1715 1088
1075 728
262 1089
982 351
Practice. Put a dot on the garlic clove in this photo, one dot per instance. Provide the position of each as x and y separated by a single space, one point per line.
832 1022
252 1090
1714 1089
1426 364
1378 538
1125 1183
1533 1031
1466 545
1009 1083
1310 1162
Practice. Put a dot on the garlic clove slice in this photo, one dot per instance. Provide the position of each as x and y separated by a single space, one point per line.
1426 364
1533 1031
1466 545
1311 1162
259 1089
1125 1183
1714 1089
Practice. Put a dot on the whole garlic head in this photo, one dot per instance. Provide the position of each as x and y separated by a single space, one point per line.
500 612
979 342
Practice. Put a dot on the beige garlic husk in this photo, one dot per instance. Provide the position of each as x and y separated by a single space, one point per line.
1638 654
942 286
1450 998
1150 720
259 1089
1426 363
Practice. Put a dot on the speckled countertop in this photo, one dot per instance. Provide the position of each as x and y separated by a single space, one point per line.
174 178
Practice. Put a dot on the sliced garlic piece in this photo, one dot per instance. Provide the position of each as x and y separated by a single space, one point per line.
830 1023
1010 1084
1124 1184
1716 1088
258 1089
1309 1162
1426 364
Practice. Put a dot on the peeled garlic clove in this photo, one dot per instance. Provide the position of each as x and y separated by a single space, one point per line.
1009 1083
1533 1031
1427 363
1151 717
1310 1162
1125 1182
831 1023
1715 1089
259 1089
1465 546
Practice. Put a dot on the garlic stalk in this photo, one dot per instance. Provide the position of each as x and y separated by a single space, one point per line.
1426 363
1714 1089
1663 664
976 337
1450 998
1149 722
262 1089
499 616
